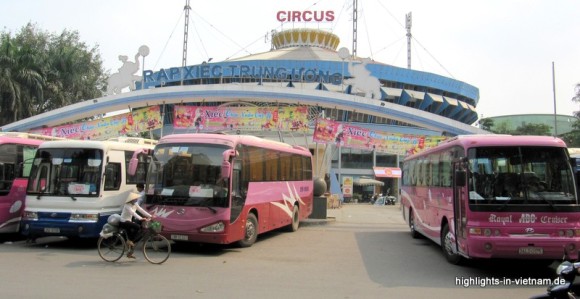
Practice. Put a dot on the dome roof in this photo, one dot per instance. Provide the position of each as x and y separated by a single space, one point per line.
305 37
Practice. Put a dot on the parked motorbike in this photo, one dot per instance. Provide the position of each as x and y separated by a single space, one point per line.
563 287
389 199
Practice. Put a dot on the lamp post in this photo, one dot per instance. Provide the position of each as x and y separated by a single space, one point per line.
343 53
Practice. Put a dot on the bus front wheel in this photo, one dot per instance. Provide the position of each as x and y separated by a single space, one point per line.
251 231
448 246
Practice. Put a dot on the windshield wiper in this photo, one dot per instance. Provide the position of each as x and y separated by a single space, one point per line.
502 207
205 204
544 199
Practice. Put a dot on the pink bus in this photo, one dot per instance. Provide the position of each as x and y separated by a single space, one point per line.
494 196
16 153
216 188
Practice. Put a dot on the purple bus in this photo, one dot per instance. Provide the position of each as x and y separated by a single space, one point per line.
494 196
216 188
16 153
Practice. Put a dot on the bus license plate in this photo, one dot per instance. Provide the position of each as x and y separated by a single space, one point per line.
179 237
52 230
531 250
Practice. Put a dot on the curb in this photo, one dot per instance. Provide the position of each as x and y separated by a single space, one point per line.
312 222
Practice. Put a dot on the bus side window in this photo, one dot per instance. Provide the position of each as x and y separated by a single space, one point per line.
113 176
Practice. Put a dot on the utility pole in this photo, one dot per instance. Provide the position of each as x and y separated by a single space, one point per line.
354 25
408 23
186 8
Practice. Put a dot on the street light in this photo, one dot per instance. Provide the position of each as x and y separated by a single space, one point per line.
343 53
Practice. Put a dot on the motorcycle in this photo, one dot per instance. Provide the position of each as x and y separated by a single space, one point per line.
564 286
389 199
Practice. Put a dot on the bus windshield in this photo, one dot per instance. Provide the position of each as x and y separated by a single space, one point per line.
15 160
187 175
520 175
66 171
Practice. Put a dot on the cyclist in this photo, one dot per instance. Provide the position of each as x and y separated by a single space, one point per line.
129 213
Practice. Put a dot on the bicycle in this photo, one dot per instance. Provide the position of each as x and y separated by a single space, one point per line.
156 248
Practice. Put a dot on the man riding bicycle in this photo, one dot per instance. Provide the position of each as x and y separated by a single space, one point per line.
129 213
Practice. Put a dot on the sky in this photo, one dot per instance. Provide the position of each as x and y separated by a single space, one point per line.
522 55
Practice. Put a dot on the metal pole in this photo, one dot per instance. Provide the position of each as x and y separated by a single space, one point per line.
340 166
554 92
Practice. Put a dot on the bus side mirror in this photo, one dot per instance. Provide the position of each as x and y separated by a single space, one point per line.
134 162
226 165
460 178
226 168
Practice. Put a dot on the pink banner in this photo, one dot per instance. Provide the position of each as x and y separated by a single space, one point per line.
330 131
140 120
207 118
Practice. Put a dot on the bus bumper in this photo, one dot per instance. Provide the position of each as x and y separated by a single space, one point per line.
61 227
523 248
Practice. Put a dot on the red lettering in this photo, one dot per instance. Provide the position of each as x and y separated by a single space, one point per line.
296 16
281 16
330 16
305 16
319 17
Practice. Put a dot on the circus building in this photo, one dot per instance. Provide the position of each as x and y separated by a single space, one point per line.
359 117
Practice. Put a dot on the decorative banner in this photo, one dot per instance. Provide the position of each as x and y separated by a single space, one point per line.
209 118
140 120
347 184
330 131
387 172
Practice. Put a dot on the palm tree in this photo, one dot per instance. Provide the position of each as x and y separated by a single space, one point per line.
21 81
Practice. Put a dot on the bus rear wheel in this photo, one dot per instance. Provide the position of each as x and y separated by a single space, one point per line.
414 233
448 245
251 231
292 227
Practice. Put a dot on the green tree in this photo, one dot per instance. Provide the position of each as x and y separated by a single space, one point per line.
533 129
41 71
500 128
573 138
486 124
21 80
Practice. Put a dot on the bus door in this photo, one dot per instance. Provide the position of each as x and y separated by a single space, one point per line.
460 172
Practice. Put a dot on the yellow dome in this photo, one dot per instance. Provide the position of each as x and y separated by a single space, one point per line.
305 37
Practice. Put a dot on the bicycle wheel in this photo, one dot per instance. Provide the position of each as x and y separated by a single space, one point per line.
112 248
156 249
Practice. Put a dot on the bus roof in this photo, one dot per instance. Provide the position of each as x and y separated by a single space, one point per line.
483 140
24 138
96 144
135 140
232 141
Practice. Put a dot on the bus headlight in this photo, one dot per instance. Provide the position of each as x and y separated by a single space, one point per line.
84 217
27 215
214 228
475 231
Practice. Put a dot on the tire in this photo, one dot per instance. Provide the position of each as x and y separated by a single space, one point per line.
447 245
156 249
292 227
251 231
414 233
112 248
